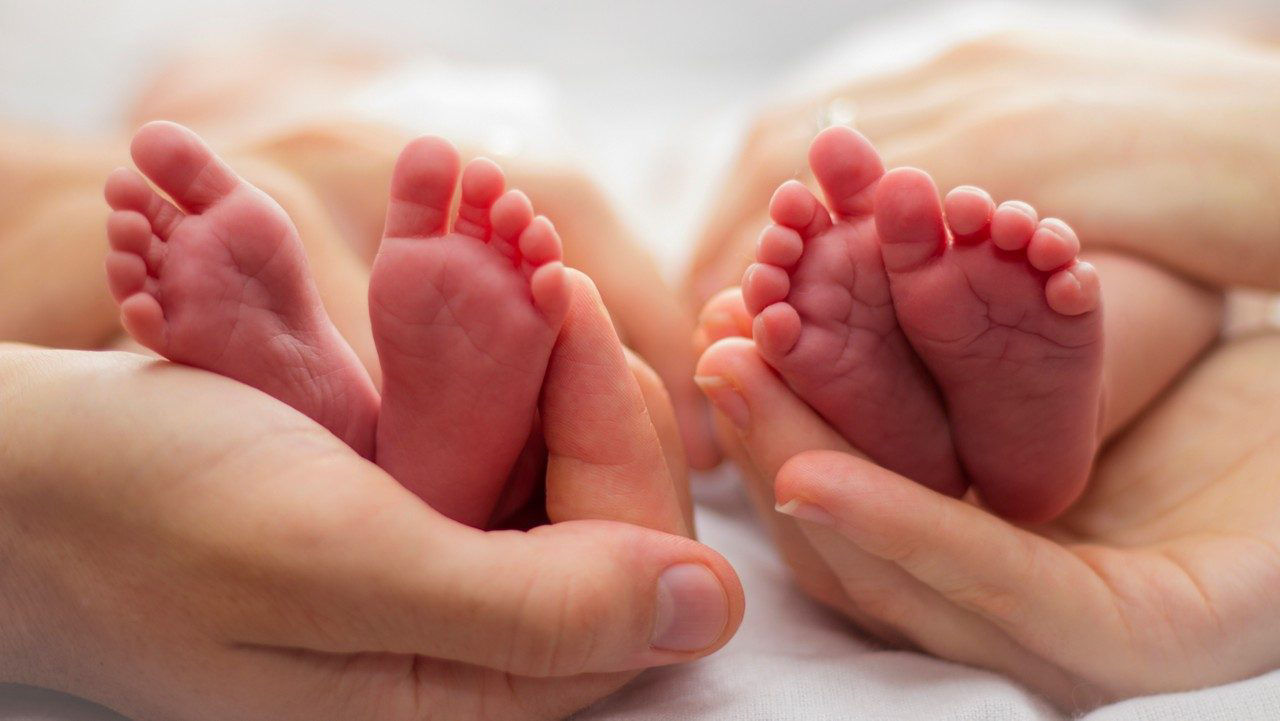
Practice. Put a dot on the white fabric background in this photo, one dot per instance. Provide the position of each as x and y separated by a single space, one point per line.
654 95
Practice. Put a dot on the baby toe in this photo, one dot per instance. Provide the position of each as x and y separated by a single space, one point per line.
779 246
482 185
793 206
1012 225
968 211
763 285
776 330
1053 245
1075 290
539 243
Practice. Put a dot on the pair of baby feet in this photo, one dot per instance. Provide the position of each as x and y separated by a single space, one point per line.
951 346
465 306
954 343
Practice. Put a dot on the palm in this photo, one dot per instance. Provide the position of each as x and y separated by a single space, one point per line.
1162 578
1181 522
1172 558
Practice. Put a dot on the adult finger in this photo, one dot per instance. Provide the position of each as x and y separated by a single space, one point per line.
648 315
663 416
745 390
1033 589
759 456
723 316
879 595
736 251
605 459
657 327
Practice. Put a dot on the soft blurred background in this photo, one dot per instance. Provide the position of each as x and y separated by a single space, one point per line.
649 95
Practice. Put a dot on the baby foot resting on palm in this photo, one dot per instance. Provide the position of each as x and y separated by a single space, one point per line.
464 321
893 323
1009 323
218 279
824 319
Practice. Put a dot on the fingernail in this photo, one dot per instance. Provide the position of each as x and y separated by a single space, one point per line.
797 508
725 398
692 609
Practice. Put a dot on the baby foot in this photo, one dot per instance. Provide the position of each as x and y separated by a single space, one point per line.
1008 321
824 318
220 281
464 322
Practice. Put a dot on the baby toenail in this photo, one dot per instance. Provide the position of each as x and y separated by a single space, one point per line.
726 398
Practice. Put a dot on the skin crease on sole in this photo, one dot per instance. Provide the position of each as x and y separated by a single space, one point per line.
824 318
934 343
1009 323
465 313
218 279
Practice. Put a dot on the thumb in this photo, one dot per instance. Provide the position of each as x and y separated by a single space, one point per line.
367 568
587 597
1033 589
562 600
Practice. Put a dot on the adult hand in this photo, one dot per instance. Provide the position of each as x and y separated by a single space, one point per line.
179 546
1158 146
1160 579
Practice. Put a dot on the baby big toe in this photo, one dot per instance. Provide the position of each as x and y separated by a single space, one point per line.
422 187
846 165
909 220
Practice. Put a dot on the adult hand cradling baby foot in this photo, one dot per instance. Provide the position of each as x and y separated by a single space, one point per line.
1161 565
198 519
1157 578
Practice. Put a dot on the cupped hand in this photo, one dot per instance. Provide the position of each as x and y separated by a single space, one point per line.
1156 145
1161 579
179 546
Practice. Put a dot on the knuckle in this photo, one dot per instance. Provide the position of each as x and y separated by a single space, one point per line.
883 605
560 625
1002 604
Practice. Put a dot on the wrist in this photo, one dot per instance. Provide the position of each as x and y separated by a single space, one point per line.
16 661
24 648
